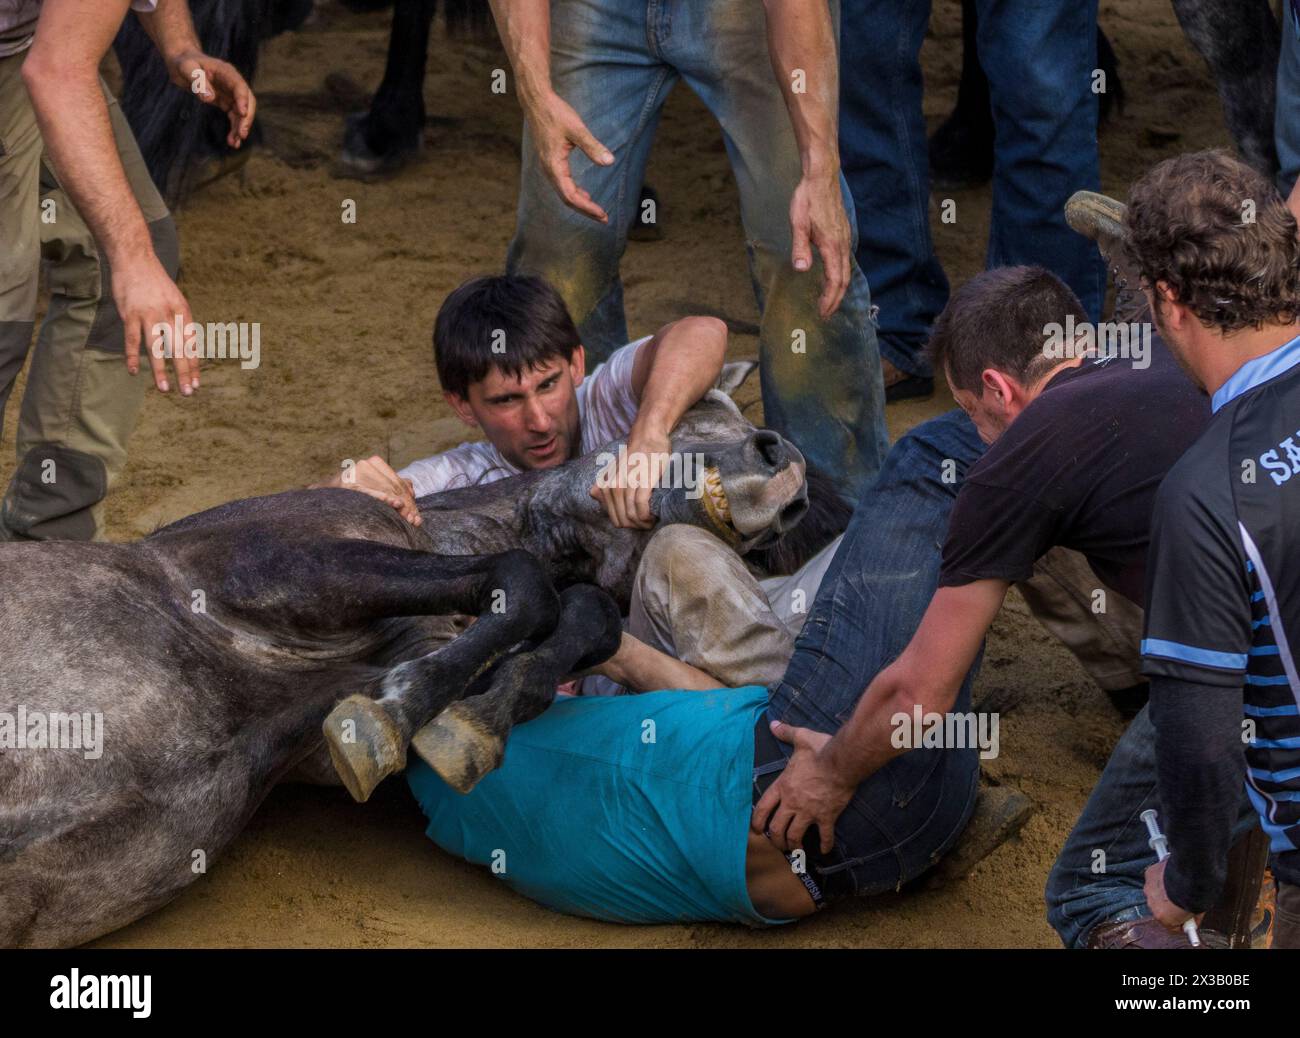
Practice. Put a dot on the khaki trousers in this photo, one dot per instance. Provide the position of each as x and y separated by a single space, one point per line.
80 404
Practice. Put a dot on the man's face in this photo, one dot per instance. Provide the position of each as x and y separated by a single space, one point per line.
990 419
533 419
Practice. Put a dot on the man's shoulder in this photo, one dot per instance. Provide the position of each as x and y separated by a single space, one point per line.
466 464
607 403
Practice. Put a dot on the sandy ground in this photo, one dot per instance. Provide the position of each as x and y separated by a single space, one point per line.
346 369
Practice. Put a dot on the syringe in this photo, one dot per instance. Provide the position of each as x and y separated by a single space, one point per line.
1160 845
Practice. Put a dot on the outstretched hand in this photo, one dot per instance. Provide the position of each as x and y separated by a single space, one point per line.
376 478
557 129
818 220
217 82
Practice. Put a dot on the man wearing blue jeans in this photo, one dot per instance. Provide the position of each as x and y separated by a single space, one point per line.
592 78
1079 445
637 808
1040 60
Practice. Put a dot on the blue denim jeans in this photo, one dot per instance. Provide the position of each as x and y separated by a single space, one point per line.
868 607
615 61
1100 871
1039 56
1286 120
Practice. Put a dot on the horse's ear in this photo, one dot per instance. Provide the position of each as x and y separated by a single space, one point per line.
734 374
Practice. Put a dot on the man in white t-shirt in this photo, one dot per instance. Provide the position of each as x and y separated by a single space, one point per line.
510 364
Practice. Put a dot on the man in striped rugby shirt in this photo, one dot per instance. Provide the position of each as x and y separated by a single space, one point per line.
1219 259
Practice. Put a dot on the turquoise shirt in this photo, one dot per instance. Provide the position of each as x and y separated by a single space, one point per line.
633 808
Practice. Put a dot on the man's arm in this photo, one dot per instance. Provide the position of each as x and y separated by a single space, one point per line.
1200 763
213 81
525 28
801 43
671 372
61 73
643 668
824 771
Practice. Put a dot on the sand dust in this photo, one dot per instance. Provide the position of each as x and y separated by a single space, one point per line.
346 312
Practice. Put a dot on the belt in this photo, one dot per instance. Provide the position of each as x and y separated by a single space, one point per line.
769 762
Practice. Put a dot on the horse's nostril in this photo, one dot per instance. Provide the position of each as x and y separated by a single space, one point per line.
791 514
770 447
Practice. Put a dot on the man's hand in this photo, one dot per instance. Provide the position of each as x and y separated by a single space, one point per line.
557 129
1165 911
216 82
625 484
808 793
818 219
376 477
147 298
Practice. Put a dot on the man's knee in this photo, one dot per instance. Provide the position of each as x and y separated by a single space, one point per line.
53 495
678 554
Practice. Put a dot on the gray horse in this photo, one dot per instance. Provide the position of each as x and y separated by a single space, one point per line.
152 693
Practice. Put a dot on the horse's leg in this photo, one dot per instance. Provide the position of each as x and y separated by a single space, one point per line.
301 591
1240 42
379 140
467 739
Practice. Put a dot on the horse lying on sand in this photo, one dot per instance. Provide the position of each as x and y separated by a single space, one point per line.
216 650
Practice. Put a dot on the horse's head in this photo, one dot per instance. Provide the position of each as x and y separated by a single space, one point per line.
746 484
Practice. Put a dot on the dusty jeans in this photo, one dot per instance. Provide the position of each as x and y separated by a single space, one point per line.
80 405
615 62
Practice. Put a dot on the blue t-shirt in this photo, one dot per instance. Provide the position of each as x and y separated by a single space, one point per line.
633 808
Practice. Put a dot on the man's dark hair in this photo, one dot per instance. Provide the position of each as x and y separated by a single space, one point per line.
1219 235
511 322
999 319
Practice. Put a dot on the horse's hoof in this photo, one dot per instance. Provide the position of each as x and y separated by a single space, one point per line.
358 161
365 745
459 748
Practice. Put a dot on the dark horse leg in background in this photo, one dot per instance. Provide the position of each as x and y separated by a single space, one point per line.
1240 42
380 140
